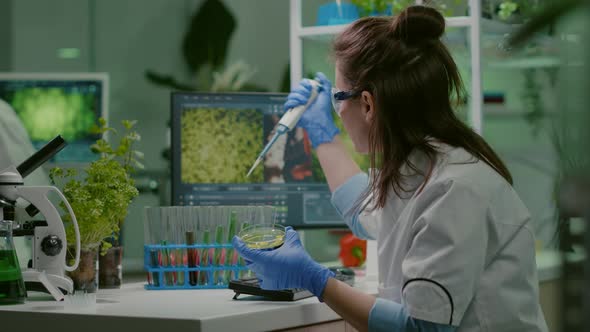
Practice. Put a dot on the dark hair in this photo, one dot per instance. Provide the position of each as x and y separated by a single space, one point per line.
414 80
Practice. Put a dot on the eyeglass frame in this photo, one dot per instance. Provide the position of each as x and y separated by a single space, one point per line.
338 96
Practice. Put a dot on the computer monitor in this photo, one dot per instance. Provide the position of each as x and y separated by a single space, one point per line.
66 104
215 139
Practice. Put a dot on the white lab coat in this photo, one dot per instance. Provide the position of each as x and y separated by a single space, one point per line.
15 147
461 251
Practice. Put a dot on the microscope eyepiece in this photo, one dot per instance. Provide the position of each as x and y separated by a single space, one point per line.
40 157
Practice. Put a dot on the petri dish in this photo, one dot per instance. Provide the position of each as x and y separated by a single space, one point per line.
263 236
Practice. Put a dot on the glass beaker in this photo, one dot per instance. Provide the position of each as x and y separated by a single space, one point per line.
12 286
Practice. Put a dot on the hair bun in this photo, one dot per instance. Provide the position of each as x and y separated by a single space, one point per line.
417 24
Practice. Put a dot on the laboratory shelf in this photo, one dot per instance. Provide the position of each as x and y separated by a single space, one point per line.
502 111
525 62
532 62
487 26
324 32
497 27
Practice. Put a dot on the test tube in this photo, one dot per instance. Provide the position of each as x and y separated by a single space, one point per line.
179 253
151 236
220 238
165 253
231 231
233 227
246 219
269 215
191 229
205 215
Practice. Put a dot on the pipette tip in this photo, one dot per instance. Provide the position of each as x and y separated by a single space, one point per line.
254 166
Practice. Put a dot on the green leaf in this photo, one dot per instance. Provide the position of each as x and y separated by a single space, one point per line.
129 124
122 149
139 154
96 129
138 164
56 171
134 136
507 8
95 148
105 246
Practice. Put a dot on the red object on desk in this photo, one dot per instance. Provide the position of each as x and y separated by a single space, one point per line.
353 251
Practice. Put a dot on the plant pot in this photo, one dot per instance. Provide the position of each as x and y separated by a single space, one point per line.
110 269
85 277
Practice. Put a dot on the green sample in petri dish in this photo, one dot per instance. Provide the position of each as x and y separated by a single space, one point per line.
263 236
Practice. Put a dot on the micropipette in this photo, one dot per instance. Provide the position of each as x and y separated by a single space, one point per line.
287 123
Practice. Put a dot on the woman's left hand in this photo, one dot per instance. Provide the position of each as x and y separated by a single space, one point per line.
288 266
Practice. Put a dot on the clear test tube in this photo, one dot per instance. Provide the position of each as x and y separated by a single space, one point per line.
232 225
178 239
269 215
246 218
190 232
220 219
205 218
152 226
168 215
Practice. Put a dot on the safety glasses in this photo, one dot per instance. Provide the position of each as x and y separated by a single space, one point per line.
338 96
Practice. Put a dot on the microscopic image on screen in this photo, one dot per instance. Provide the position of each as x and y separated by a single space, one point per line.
219 145
51 111
290 158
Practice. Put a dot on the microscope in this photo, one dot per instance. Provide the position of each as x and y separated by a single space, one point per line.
46 271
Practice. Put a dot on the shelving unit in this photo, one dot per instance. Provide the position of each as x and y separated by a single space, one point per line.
329 30
472 22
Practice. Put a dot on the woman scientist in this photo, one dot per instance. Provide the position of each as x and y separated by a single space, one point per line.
456 251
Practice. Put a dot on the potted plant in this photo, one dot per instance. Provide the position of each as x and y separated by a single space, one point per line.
99 199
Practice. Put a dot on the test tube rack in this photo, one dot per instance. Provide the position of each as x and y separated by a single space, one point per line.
162 275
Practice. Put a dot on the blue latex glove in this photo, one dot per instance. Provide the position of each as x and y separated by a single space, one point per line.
317 120
288 266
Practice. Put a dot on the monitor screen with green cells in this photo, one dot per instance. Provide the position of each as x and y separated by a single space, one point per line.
67 104
216 137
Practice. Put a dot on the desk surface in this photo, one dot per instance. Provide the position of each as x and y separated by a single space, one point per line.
146 311
135 309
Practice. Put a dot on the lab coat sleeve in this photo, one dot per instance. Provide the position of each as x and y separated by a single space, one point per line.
392 316
446 257
344 199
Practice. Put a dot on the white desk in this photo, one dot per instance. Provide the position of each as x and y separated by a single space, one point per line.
166 311
134 309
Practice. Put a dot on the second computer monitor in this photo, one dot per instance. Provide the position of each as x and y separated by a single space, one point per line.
215 140
51 104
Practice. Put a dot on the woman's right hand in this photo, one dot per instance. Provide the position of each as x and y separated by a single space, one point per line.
317 120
